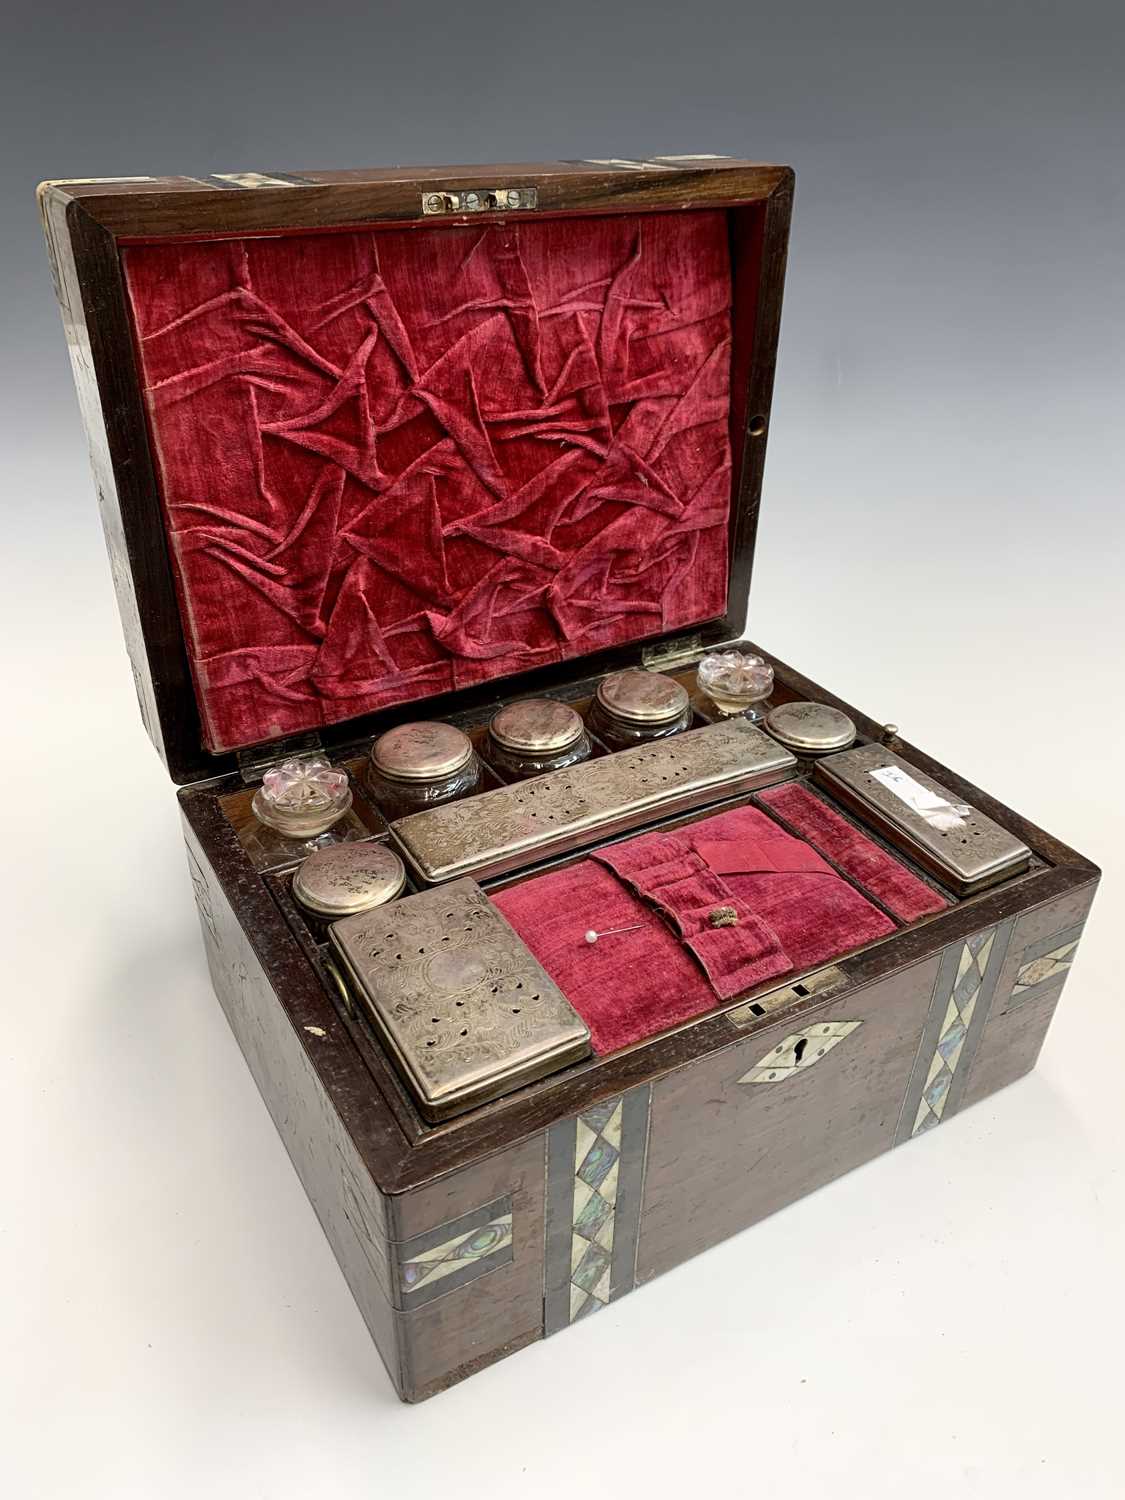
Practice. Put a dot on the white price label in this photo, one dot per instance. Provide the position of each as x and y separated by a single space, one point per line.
934 808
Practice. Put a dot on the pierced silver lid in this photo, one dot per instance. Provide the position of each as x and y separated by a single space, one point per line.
810 728
348 878
424 751
536 724
642 697
463 1006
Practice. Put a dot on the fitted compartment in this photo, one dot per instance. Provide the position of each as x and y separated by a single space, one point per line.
690 918
873 879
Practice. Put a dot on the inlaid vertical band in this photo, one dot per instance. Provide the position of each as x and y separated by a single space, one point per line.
595 1175
962 996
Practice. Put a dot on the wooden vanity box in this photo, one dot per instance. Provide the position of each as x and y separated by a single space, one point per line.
408 443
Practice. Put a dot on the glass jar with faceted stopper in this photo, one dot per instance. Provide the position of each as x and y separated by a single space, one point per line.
634 706
416 766
736 682
534 736
302 798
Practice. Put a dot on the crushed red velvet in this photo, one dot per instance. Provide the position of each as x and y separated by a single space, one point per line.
397 462
900 891
794 912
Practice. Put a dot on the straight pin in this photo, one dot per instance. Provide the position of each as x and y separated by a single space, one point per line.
592 936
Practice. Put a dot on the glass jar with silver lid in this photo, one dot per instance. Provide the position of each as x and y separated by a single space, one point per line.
810 729
536 735
345 879
634 706
416 766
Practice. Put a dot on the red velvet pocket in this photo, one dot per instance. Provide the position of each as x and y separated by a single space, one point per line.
674 962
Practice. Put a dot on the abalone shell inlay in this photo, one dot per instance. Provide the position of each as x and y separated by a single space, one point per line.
959 1008
1044 966
452 1254
594 1176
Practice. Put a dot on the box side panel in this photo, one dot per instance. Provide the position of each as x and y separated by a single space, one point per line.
348 1204
468 1275
1040 956
749 1129
128 566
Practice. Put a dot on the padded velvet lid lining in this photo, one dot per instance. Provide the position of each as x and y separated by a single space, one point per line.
398 462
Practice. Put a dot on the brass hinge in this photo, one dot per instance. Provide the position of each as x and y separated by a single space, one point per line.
479 200
255 762
674 653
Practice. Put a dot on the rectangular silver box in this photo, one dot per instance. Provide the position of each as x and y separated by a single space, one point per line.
566 810
968 853
465 1009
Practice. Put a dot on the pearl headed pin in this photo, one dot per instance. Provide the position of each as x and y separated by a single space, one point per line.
592 936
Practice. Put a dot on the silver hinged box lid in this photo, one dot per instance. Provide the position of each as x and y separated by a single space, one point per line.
465 1009
513 826
956 843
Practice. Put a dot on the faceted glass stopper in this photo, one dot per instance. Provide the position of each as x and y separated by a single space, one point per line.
302 797
735 680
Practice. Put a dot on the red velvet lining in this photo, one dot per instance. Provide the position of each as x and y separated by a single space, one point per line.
397 462
794 912
900 891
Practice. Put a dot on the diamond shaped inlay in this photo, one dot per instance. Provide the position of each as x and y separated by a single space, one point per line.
971 968
1046 966
455 1254
597 1147
799 1050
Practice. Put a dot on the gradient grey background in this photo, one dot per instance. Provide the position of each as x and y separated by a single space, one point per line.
941 541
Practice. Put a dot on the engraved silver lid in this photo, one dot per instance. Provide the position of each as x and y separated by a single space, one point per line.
536 724
348 878
462 1004
642 697
424 751
557 812
810 728
953 841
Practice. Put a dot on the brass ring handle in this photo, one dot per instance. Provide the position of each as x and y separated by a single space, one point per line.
339 981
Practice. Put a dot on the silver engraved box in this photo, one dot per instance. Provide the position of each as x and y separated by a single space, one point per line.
565 810
961 846
464 1008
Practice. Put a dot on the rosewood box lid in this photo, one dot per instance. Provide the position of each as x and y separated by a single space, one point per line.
386 444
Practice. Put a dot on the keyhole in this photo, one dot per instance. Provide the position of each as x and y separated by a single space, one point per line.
799 1049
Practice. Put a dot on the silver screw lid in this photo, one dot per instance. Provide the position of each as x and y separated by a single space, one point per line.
642 697
348 878
424 751
536 724
810 728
